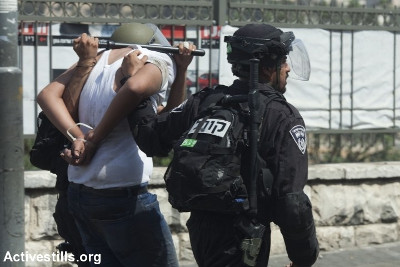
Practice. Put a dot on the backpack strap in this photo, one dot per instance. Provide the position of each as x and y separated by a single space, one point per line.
211 97
267 98
199 126
266 177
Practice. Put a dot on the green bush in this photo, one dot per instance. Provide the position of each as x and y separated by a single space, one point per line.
162 161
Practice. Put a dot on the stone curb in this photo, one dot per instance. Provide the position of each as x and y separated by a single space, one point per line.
344 171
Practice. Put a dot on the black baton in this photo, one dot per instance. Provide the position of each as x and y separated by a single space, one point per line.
159 48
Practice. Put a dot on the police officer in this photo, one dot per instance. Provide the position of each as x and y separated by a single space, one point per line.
215 239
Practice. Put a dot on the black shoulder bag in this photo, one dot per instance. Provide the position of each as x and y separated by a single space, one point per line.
48 144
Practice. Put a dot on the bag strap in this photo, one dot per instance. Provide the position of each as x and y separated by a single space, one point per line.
199 126
211 98
265 175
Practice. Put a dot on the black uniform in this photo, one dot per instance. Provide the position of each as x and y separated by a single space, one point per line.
282 145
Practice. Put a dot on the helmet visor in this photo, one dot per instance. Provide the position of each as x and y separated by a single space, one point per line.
158 37
298 61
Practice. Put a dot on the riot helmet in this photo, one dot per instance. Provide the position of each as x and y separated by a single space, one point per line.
270 45
138 33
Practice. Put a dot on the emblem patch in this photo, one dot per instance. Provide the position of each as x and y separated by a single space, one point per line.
298 133
215 127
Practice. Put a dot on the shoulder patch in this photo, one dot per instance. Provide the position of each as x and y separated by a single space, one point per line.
298 133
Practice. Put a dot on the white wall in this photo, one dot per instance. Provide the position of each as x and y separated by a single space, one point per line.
369 90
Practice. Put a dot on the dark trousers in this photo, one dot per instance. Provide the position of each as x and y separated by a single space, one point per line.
123 228
216 241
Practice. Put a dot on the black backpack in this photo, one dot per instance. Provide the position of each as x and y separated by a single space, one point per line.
205 172
49 141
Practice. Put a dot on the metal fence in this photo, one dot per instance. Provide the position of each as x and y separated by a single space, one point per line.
211 13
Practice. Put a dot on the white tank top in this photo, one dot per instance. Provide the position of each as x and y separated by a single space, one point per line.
118 161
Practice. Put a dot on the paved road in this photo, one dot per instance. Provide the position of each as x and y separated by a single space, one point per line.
385 255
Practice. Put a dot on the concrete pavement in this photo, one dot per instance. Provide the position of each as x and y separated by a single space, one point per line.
383 255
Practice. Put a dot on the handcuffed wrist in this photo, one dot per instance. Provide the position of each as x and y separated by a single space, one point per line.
80 139
73 138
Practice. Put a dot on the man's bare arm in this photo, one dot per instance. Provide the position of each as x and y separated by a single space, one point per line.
178 89
86 48
144 83
59 104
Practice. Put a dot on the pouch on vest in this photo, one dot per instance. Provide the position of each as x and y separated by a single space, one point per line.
204 173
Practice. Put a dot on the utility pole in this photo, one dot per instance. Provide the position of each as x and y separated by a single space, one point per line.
12 233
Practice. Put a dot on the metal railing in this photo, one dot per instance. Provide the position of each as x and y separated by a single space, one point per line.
321 17
210 13
118 11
